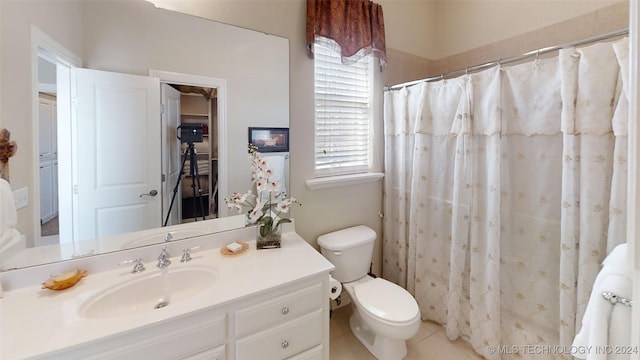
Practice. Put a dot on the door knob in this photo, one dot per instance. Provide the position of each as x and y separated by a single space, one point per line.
151 193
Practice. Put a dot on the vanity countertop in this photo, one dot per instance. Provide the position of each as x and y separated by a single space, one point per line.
36 321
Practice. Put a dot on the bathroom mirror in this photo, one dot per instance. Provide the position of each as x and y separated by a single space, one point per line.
248 71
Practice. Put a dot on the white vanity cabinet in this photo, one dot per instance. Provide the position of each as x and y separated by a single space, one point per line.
262 305
289 323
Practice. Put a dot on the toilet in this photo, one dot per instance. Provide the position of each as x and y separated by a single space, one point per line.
384 314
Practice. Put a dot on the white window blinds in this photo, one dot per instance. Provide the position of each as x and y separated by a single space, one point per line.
342 114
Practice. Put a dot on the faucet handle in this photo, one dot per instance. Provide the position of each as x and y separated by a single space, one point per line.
186 257
163 259
138 267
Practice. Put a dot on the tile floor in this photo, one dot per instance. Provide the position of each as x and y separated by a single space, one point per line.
430 343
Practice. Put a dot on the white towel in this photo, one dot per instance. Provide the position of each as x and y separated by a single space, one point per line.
276 162
605 324
8 214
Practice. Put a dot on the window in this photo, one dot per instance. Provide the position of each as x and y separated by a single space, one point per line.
343 114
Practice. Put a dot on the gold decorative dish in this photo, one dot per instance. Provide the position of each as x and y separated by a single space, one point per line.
64 280
225 251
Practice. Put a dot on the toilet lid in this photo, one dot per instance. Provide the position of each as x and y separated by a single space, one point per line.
386 300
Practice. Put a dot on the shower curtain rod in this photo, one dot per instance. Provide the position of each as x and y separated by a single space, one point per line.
511 59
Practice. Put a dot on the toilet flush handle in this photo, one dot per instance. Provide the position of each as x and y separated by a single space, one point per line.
337 253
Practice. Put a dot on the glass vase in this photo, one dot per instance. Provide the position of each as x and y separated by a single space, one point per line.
269 238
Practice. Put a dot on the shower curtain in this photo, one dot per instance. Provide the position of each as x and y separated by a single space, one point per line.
504 190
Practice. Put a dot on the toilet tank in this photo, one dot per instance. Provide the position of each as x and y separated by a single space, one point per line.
349 250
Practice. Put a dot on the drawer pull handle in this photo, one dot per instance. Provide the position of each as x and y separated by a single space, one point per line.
285 310
285 344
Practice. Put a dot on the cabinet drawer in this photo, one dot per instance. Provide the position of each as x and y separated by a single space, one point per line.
278 310
311 354
282 341
211 354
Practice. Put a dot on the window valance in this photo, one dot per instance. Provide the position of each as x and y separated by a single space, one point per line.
354 28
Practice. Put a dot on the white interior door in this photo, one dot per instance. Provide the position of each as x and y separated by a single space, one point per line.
118 174
171 154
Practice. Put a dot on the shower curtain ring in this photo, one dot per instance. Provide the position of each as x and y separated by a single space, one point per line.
536 62
444 81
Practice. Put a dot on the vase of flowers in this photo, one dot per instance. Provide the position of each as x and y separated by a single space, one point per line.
268 236
267 207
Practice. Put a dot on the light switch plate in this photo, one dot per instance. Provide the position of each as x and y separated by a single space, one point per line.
21 197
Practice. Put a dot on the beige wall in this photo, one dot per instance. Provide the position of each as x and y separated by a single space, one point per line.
497 38
606 19
417 32
423 37
464 25
411 26
322 210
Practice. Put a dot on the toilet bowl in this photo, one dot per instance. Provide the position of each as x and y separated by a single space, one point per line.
384 314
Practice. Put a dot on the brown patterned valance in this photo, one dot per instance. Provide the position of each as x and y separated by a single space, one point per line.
354 28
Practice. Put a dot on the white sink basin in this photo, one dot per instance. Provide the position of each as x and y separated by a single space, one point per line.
150 291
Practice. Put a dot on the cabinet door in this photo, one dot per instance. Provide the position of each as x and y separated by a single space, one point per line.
54 191
46 191
54 128
45 128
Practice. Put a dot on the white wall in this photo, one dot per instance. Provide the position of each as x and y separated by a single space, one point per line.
255 66
132 37
62 21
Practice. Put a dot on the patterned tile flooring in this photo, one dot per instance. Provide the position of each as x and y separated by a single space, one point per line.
430 343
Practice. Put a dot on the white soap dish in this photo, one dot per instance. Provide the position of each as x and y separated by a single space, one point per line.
227 249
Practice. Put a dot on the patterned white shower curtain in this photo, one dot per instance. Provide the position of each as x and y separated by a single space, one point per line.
504 191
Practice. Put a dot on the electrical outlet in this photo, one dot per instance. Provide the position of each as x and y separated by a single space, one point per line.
21 197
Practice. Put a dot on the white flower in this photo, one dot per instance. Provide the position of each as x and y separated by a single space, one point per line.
260 185
257 211
273 186
268 204
284 205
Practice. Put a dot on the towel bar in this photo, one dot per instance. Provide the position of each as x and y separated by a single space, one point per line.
615 299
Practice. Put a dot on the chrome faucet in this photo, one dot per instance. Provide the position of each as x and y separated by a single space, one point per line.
163 259
168 237
186 257
138 266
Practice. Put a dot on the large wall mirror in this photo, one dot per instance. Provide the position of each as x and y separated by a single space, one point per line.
99 96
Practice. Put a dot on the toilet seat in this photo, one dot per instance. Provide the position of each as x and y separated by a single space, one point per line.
387 301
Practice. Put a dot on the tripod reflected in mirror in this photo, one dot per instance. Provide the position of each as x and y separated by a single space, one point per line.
190 134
